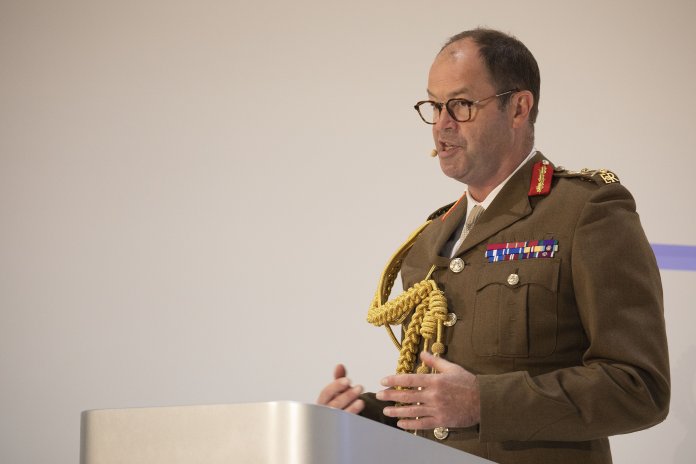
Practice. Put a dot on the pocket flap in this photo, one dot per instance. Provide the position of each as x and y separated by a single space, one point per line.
539 271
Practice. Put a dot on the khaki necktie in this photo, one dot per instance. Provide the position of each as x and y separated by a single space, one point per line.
471 219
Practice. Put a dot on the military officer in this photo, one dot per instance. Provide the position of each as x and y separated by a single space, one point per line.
554 333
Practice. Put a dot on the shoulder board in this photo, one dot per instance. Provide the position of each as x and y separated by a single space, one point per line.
598 176
440 211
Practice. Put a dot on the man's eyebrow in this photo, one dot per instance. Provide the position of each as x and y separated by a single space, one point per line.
460 91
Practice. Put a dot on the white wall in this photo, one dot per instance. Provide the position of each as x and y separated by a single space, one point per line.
197 197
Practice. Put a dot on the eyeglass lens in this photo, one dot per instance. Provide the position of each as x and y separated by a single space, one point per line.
459 108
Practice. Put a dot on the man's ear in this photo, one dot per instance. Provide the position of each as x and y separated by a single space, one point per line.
521 105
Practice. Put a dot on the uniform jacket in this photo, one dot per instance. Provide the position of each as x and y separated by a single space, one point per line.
568 349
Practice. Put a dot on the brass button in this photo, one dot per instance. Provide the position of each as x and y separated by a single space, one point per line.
456 265
451 320
441 433
513 279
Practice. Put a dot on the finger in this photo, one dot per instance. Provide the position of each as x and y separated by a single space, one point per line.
437 363
406 380
423 423
408 411
333 389
400 396
339 371
346 398
355 407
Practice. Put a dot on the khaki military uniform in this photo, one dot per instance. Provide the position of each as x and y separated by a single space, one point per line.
568 349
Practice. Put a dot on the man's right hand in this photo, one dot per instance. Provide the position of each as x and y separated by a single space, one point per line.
340 394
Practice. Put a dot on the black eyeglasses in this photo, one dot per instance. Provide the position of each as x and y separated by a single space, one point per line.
458 108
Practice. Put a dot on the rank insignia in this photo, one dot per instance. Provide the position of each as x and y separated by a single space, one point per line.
542 174
607 176
598 176
511 251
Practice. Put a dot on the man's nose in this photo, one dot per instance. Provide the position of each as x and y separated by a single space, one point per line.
445 121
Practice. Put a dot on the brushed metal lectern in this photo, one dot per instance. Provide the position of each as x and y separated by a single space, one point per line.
254 433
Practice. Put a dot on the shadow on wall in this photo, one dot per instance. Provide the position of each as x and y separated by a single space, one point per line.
684 388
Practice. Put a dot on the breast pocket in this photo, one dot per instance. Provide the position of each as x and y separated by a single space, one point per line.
515 312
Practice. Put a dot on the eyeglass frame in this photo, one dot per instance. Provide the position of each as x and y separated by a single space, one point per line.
468 103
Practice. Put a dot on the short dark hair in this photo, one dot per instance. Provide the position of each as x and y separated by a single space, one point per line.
511 64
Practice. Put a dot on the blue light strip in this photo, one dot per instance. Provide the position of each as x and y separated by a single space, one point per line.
675 257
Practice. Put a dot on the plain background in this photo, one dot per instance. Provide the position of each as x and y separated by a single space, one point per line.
197 197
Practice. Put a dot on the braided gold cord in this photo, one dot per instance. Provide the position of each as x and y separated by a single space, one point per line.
436 314
424 302
386 281
411 340
395 311
432 324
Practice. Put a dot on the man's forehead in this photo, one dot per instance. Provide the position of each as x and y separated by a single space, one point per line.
460 56
459 50
456 69
455 53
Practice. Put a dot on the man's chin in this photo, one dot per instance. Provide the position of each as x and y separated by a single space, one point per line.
453 172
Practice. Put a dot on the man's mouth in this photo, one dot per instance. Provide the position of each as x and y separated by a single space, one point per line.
444 146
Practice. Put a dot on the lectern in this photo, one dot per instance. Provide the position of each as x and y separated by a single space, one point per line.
254 433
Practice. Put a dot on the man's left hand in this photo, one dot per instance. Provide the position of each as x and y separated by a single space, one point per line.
449 398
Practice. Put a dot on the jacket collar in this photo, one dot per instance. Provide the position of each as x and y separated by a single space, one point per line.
511 205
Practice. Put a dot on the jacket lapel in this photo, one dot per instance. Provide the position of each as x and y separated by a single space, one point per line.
511 205
443 228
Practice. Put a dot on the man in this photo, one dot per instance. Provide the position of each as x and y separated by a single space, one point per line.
556 334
